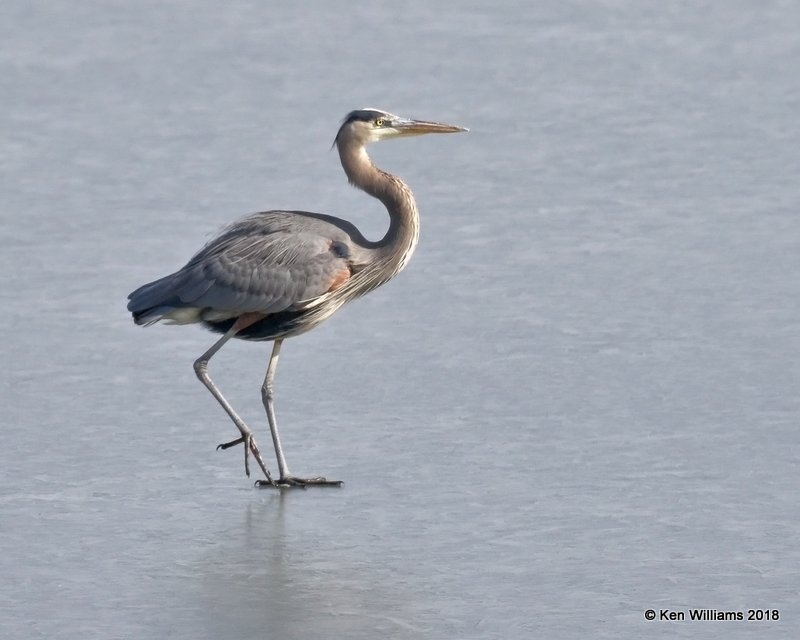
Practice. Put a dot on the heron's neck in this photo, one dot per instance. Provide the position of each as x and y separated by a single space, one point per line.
396 247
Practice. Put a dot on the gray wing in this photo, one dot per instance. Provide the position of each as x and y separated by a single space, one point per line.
265 263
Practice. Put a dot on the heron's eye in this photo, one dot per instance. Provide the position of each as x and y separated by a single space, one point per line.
379 122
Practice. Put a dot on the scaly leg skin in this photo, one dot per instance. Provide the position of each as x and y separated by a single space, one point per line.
286 480
201 369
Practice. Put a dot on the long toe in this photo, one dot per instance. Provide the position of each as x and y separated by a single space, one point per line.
228 445
293 482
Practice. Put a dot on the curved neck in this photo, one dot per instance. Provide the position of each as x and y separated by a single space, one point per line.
395 248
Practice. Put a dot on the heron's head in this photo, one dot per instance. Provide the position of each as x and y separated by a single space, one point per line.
370 125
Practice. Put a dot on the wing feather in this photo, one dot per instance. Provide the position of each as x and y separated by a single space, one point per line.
266 263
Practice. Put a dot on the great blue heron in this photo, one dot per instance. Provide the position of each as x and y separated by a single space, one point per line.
277 274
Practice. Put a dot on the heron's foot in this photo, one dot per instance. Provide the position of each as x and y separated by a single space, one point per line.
249 446
289 482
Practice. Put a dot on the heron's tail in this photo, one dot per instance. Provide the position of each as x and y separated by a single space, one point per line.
158 300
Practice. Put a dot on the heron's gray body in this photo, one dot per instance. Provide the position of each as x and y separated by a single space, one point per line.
282 264
276 274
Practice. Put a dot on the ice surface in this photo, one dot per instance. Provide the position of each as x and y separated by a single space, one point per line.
579 402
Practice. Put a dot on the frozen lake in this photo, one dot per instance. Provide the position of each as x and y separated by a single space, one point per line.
578 402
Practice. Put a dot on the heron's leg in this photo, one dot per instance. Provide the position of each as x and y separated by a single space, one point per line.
266 397
267 394
201 369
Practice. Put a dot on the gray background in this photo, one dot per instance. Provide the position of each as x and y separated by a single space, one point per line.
577 403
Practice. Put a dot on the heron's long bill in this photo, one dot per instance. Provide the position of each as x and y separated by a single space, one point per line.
420 127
